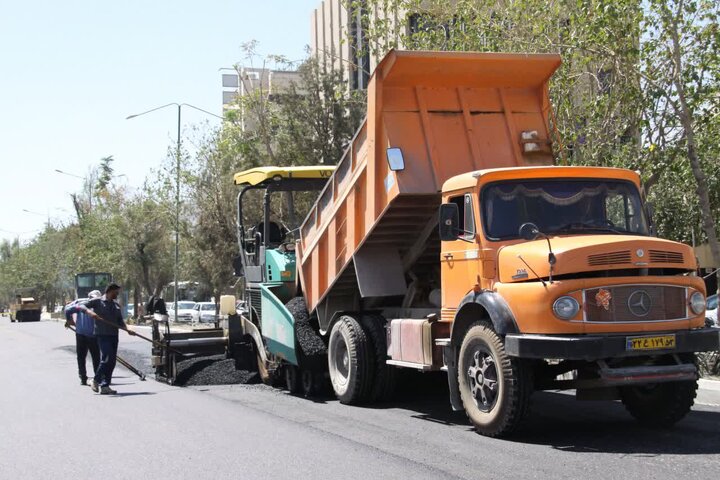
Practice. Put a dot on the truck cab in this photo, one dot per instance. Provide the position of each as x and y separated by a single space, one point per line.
555 270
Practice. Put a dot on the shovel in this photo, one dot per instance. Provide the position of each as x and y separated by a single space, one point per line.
156 344
124 363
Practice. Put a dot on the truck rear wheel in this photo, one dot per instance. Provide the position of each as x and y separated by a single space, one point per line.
350 361
495 388
313 383
385 375
660 405
292 379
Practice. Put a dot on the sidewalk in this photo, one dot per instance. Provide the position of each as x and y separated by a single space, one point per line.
708 392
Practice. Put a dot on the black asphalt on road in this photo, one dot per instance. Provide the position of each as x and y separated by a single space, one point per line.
51 427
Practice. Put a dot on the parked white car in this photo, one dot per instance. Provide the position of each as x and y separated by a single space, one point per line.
184 313
204 312
711 311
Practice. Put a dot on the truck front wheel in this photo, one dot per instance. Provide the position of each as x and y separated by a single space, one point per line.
495 388
661 404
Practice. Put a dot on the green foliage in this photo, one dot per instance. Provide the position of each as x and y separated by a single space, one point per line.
617 95
122 233
309 122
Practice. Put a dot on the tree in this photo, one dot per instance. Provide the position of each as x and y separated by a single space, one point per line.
310 122
638 87
681 75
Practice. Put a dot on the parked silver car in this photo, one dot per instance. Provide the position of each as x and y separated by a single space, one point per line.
204 312
711 311
184 312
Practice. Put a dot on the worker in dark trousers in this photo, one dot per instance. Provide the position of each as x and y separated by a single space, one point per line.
85 340
108 320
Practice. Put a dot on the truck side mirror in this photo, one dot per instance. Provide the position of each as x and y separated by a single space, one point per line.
395 159
449 221
528 231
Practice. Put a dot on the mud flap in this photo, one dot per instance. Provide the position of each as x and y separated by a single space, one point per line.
450 360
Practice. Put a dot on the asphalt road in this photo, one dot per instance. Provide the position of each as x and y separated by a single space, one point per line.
51 427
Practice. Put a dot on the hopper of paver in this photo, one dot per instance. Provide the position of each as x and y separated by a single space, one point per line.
431 115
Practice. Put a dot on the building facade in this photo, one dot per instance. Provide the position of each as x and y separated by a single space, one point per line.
338 37
245 81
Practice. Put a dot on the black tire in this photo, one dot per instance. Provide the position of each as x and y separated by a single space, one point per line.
483 362
659 405
350 361
385 375
292 379
311 383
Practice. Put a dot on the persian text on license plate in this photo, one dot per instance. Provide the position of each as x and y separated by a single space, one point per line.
650 343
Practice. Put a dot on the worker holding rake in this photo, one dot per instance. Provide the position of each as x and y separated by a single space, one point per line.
108 313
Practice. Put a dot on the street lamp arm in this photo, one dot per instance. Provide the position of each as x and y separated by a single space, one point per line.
70 174
34 213
201 110
177 181
152 110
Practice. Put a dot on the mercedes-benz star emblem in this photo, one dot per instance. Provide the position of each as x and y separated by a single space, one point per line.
639 303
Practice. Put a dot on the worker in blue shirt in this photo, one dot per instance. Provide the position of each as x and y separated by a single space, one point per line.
84 336
107 313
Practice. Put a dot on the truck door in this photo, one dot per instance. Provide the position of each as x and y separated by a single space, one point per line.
459 259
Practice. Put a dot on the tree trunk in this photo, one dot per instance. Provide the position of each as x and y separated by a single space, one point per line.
683 111
145 267
136 300
291 210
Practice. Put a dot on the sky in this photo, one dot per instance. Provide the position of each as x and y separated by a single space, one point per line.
71 72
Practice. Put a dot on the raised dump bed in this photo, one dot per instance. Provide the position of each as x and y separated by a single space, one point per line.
433 116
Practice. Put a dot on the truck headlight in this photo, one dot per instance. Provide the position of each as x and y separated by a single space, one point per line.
697 303
566 308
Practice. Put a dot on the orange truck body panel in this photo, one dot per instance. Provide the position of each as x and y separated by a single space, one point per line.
449 113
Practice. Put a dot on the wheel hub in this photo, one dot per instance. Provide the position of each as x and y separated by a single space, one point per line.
482 374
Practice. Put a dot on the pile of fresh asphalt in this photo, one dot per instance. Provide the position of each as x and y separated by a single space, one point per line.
212 370
218 370
311 344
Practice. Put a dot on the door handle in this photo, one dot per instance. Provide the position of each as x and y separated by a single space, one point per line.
448 256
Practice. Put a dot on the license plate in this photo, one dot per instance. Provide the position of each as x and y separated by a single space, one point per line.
662 342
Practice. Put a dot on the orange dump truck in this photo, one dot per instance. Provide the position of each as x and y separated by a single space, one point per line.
446 240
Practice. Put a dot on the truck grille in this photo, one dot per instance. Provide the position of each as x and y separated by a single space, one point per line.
613 258
635 303
661 256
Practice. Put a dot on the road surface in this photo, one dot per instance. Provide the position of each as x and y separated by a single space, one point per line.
51 427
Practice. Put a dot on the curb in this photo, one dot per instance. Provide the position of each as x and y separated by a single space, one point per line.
707 384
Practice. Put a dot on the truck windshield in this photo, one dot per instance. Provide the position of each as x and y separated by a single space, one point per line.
562 206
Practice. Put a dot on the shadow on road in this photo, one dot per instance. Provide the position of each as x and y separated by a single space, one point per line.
561 422
132 394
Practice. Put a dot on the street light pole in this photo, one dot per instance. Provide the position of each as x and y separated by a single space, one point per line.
178 152
177 214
